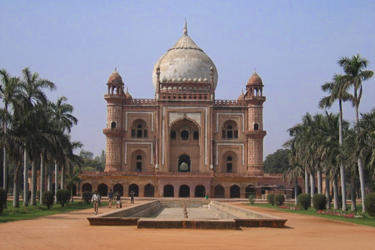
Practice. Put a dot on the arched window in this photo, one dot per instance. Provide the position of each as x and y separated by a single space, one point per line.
256 126
113 125
230 130
139 163
229 164
139 129
184 135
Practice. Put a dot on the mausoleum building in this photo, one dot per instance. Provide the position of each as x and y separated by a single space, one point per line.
183 142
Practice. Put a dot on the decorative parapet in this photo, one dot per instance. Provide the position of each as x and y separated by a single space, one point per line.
185 96
141 102
230 103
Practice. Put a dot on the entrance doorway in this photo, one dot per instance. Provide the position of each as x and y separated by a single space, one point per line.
184 163
184 191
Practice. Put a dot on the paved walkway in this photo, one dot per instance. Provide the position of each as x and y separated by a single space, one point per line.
72 231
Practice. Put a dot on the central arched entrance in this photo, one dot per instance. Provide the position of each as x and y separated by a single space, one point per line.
184 163
184 146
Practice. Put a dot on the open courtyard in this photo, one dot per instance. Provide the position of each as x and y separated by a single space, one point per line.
73 231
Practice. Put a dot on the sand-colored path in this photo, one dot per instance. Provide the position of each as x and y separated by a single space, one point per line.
72 231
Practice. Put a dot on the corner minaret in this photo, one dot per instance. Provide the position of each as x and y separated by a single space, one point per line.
254 99
114 130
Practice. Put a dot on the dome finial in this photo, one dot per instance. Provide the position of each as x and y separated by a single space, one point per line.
115 70
185 29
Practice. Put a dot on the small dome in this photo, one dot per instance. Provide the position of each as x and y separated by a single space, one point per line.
115 78
241 96
128 95
255 80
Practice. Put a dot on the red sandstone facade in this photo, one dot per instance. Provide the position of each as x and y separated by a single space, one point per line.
183 142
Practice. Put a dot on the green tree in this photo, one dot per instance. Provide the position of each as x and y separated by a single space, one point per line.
277 162
354 69
92 164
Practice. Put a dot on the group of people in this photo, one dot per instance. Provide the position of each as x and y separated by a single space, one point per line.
96 199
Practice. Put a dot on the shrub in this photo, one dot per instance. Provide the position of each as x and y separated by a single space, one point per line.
370 204
304 201
3 199
48 199
319 202
252 199
271 199
63 196
86 196
279 199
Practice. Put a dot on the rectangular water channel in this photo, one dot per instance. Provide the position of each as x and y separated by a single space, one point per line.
192 213
187 213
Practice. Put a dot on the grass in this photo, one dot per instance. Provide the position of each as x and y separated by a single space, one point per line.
365 220
31 212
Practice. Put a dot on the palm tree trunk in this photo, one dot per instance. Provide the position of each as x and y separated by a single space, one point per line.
360 162
49 177
33 182
320 184
362 182
56 179
25 179
336 192
312 182
42 178
327 190
342 168
62 177
16 186
353 195
306 181
296 190
5 174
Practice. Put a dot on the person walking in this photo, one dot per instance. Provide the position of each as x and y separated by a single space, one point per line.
96 201
110 198
132 197
118 200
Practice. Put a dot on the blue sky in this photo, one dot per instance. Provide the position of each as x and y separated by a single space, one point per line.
293 45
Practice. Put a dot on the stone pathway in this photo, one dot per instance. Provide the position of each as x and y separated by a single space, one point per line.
72 231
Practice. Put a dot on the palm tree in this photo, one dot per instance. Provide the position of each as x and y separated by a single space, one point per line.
314 145
8 93
349 156
63 120
366 140
354 69
72 179
337 90
34 99
291 175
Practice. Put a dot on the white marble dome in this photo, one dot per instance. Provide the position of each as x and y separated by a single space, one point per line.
185 60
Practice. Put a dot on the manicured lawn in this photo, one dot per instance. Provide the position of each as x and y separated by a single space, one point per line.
362 220
30 212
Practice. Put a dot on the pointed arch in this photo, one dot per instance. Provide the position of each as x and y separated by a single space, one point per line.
230 162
